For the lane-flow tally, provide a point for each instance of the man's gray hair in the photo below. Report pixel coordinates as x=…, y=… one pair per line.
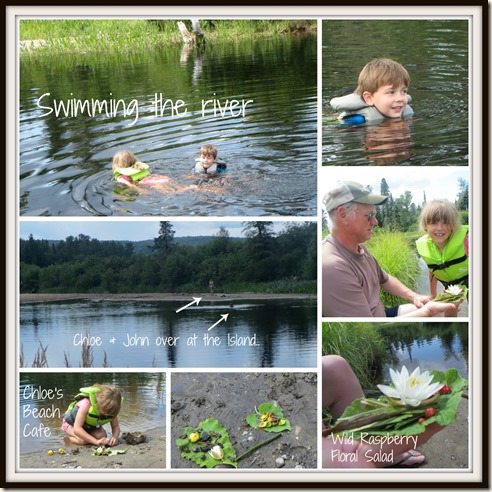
x=351, y=208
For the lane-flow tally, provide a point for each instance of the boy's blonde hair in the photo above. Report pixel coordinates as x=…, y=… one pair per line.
x=379, y=72
x=109, y=399
x=124, y=158
x=437, y=210
x=209, y=150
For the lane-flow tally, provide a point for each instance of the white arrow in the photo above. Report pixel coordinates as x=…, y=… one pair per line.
x=223, y=318
x=195, y=301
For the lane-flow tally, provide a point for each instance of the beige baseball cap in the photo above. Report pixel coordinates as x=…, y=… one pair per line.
x=349, y=191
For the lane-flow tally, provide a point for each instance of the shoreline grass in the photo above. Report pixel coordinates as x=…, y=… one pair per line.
x=50, y=37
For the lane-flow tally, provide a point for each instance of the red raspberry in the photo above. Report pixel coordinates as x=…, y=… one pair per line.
x=421, y=419
x=445, y=390
x=429, y=412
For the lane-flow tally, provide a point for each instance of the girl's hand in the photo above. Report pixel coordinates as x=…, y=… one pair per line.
x=113, y=441
x=102, y=442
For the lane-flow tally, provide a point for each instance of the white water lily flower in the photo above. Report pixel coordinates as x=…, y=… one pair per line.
x=410, y=389
x=216, y=452
x=454, y=289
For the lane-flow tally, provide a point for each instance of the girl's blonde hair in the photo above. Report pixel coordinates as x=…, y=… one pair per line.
x=109, y=399
x=437, y=210
x=124, y=158
x=379, y=72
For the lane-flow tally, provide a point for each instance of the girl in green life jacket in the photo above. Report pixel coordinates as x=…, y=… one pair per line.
x=129, y=171
x=444, y=247
x=93, y=407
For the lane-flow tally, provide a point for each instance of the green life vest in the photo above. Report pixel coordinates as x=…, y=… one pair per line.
x=93, y=418
x=451, y=266
x=134, y=174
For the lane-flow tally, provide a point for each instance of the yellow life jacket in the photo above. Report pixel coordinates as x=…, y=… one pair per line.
x=135, y=174
x=451, y=265
x=93, y=418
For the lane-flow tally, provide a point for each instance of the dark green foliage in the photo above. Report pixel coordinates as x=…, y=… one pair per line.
x=286, y=263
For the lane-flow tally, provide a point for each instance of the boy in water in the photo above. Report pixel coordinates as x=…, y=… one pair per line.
x=381, y=93
x=207, y=162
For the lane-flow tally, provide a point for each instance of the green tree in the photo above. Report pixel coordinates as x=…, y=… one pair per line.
x=461, y=202
x=164, y=243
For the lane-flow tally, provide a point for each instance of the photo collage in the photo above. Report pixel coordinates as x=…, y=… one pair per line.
x=215, y=218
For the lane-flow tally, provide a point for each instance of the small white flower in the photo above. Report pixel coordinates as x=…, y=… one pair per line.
x=216, y=452
x=455, y=290
x=410, y=389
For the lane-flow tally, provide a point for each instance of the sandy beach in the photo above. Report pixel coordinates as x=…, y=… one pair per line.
x=29, y=298
x=149, y=454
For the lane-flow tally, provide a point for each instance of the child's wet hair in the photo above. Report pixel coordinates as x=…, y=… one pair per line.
x=124, y=158
x=437, y=210
x=380, y=72
x=209, y=150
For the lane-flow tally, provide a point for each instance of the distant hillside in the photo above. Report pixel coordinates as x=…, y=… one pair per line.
x=146, y=246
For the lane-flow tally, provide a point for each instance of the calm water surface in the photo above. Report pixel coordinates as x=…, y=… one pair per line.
x=274, y=333
x=435, y=53
x=438, y=346
x=271, y=148
x=44, y=398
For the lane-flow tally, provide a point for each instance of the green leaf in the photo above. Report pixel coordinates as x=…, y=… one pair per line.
x=385, y=416
x=213, y=434
x=256, y=421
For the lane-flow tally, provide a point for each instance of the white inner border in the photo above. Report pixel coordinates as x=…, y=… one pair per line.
x=330, y=477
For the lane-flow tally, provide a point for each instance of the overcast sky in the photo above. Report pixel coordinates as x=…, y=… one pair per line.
x=135, y=230
x=438, y=182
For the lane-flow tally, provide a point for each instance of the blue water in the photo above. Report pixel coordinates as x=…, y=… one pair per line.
x=271, y=333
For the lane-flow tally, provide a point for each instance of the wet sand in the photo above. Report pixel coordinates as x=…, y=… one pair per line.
x=149, y=454
x=29, y=298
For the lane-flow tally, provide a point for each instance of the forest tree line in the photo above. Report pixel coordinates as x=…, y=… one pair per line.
x=402, y=214
x=264, y=260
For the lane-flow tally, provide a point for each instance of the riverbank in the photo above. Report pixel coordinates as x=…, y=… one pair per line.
x=32, y=298
x=123, y=35
x=149, y=454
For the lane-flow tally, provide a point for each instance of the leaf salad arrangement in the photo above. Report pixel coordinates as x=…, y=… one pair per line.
x=407, y=406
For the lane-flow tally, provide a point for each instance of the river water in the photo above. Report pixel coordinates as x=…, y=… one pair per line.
x=44, y=398
x=134, y=334
x=435, y=53
x=170, y=102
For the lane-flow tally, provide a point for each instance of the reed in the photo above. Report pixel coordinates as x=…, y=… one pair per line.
x=360, y=344
x=396, y=255
x=40, y=359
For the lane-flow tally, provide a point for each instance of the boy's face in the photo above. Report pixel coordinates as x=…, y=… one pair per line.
x=207, y=160
x=389, y=100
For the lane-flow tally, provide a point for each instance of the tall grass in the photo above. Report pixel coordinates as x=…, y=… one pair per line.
x=360, y=344
x=396, y=255
x=123, y=35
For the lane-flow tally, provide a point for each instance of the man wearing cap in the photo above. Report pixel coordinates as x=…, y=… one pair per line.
x=352, y=277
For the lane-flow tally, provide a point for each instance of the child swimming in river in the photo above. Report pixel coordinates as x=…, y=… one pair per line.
x=207, y=163
x=129, y=171
x=93, y=407
x=381, y=93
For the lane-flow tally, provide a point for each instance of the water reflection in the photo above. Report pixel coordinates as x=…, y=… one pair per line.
x=438, y=346
x=272, y=333
x=43, y=399
x=271, y=148
x=438, y=132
